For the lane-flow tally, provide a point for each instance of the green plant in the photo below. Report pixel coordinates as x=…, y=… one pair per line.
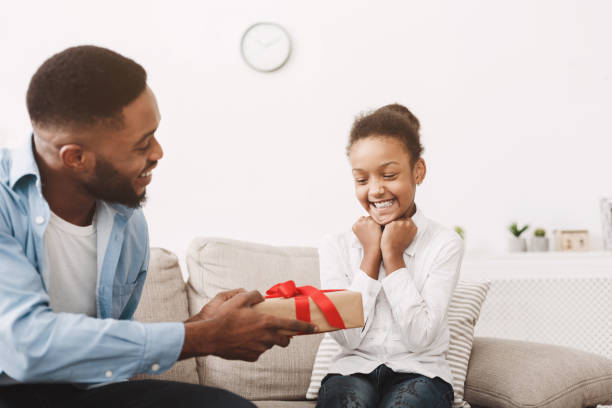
x=459, y=230
x=539, y=232
x=515, y=230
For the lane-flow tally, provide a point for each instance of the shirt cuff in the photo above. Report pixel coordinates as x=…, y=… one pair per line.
x=364, y=284
x=163, y=346
x=399, y=286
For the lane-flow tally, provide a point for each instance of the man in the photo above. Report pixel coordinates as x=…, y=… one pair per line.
x=74, y=252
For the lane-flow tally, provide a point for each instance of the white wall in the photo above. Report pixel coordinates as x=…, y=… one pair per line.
x=514, y=99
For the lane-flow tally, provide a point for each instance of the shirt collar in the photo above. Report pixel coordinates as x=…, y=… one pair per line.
x=23, y=163
x=122, y=209
x=421, y=223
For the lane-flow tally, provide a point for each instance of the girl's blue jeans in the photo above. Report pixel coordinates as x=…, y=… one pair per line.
x=384, y=388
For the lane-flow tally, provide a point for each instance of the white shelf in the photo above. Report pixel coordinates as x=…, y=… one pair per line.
x=536, y=265
x=485, y=254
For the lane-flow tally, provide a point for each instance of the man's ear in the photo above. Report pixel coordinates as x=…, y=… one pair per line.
x=76, y=159
x=419, y=171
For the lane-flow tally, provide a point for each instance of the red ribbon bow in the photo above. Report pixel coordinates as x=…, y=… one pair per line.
x=302, y=304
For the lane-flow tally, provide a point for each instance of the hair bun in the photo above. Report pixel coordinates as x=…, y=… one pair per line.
x=404, y=111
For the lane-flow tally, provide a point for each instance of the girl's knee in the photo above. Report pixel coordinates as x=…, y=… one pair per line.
x=346, y=391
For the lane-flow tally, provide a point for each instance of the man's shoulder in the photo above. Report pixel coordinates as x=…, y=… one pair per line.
x=5, y=166
x=7, y=196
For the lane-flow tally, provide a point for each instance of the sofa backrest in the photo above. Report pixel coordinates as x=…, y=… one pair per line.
x=221, y=264
x=164, y=299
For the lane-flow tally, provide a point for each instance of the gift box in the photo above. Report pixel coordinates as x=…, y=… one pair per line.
x=330, y=310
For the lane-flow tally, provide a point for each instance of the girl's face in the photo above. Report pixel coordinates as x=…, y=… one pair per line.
x=385, y=181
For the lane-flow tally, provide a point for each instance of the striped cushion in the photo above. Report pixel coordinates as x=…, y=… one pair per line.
x=463, y=313
x=327, y=351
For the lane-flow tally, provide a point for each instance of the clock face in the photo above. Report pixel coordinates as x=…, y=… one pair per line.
x=265, y=46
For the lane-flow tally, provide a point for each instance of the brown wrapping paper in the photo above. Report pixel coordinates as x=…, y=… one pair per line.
x=348, y=303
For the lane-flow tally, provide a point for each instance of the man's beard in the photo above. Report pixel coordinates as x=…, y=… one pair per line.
x=109, y=185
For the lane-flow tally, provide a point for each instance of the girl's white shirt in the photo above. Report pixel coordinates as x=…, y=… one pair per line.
x=405, y=313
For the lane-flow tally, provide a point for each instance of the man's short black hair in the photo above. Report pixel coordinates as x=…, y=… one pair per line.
x=83, y=86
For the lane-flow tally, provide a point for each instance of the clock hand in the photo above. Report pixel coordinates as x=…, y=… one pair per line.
x=261, y=43
x=269, y=43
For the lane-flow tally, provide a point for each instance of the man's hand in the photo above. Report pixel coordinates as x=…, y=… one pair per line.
x=369, y=234
x=210, y=309
x=237, y=332
x=396, y=237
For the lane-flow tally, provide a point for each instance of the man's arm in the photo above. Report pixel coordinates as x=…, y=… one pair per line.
x=38, y=345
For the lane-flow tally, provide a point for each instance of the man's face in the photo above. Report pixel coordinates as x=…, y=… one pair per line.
x=124, y=158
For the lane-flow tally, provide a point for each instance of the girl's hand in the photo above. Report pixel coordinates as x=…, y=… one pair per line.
x=396, y=237
x=369, y=234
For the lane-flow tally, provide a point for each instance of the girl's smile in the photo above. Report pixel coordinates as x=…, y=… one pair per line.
x=383, y=210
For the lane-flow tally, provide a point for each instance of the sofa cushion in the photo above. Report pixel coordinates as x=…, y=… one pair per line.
x=516, y=374
x=463, y=312
x=220, y=264
x=164, y=299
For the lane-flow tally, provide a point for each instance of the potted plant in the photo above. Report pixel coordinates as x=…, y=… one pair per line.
x=460, y=231
x=516, y=243
x=539, y=242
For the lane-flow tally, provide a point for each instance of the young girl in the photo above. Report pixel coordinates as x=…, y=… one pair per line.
x=406, y=267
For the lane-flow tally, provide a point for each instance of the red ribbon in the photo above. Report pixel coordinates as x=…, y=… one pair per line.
x=302, y=295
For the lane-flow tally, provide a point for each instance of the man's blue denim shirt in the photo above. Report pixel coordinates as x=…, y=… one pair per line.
x=38, y=345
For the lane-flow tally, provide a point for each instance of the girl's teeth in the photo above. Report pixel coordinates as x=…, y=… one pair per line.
x=383, y=204
x=147, y=174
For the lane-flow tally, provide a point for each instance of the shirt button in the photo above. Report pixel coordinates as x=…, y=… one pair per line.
x=155, y=367
x=108, y=374
x=39, y=220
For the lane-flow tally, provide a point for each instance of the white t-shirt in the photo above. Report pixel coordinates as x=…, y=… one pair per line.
x=71, y=276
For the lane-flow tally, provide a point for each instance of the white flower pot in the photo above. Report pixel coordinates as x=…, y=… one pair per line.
x=539, y=244
x=517, y=244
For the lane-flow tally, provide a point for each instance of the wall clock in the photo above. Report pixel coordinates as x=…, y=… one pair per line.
x=265, y=47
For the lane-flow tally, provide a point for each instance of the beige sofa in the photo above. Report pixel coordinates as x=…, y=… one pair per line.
x=501, y=373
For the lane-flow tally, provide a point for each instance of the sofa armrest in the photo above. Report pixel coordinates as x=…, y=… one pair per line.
x=514, y=374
